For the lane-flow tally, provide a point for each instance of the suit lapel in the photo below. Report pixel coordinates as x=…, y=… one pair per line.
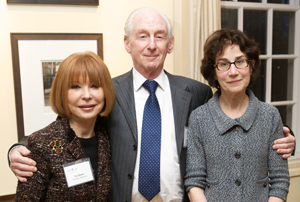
x=181, y=99
x=125, y=99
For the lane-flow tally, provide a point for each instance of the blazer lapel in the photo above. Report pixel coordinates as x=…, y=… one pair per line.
x=181, y=99
x=74, y=148
x=72, y=144
x=125, y=99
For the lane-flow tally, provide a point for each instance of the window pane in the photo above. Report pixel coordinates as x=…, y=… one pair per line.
x=283, y=32
x=278, y=1
x=259, y=87
x=255, y=26
x=229, y=18
x=282, y=80
x=249, y=0
x=286, y=114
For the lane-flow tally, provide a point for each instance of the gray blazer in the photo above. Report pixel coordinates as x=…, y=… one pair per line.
x=187, y=95
x=233, y=159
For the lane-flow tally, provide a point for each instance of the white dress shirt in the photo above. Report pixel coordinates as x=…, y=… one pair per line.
x=170, y=179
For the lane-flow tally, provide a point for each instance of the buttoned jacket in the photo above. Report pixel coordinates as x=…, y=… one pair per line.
x=233, y=159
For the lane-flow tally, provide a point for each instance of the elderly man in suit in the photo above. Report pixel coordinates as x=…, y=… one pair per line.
x=148, y=39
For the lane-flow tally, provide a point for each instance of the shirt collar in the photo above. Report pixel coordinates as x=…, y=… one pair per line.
x=139, y=79
x=224, y=123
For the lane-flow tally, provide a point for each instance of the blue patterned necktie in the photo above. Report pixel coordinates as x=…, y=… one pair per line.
x=149, y=172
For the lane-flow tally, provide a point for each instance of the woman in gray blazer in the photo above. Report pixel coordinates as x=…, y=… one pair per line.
x=229, y=154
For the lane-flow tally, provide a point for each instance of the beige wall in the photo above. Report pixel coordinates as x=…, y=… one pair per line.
x=294, y=195
x=294, y=168
x=108, y=18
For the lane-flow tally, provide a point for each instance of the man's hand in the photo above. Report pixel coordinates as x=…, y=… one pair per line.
x=285, y=145
x=21, y=165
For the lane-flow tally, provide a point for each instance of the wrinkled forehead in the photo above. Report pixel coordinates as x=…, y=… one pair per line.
x=150, y=20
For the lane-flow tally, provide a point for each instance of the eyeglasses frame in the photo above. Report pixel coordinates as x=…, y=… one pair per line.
x=230, y=63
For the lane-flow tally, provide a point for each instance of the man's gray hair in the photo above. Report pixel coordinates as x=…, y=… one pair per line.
x=128, y=25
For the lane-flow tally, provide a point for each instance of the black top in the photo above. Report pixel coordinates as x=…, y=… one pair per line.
x=90, y=146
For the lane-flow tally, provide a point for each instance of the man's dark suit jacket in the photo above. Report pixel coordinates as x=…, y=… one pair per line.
x=187, y=95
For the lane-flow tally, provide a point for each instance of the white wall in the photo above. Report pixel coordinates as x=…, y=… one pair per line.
x=108, y=18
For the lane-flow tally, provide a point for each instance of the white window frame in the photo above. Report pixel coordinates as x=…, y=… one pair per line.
x=293, y=6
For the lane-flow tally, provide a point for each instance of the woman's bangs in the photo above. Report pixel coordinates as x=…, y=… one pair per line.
x=84, y=70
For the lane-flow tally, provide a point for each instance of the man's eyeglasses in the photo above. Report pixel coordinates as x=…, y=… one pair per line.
x=241, y=63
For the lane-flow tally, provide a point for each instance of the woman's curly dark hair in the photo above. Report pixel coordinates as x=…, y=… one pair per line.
x=215, y=45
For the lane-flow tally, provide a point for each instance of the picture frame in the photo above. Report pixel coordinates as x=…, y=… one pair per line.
x=30, y=53
x=64, y=2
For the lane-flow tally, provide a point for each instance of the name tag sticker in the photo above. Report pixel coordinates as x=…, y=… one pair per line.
x=186, y=129
x=78, y=172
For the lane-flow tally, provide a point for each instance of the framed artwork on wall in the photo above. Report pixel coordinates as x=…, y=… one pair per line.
x=65, y=2
x=35, y=59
